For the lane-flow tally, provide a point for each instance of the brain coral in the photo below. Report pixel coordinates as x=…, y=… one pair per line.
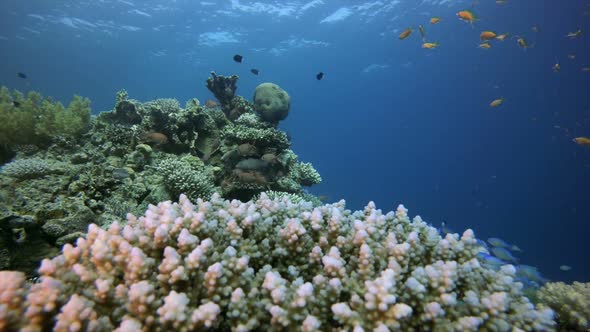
x=271, y=102
x=269, y=265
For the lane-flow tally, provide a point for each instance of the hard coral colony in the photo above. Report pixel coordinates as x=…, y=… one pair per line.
x=268, y=265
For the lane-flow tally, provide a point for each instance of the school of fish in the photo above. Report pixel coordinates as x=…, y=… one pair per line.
x=488, y=36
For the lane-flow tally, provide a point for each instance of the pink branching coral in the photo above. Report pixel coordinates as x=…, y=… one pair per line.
x=268, y=265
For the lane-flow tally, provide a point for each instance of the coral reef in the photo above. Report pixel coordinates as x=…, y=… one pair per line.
x=571, y=304
x=139, y=153
x=269, y=265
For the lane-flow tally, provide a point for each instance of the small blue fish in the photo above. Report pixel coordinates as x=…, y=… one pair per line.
x=530, y=273
x=504, y=254
x=497, y=242
x=483, y=244
x=528, y=284
x=490, y=261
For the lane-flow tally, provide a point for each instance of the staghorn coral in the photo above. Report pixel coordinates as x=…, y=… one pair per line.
x=570, y=302
x=269, y=266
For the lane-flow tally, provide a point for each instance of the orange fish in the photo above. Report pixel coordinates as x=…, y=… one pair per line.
x=430, y=46
x=485, y=45
x=497, y=102
x=154, y=138
x=434, y=20
x=405, y=33
x=467, y=16
x=502, y=37
x=487, y=35
x=582, y=141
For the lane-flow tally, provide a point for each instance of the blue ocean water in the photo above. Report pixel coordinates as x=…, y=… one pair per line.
x=390, y=122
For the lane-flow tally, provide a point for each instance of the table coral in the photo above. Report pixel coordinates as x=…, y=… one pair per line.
x=269, y=265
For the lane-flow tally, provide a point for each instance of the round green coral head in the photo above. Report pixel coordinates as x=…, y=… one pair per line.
x=271, y=102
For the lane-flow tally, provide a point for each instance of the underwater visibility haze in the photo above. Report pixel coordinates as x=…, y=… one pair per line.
x=472, y=114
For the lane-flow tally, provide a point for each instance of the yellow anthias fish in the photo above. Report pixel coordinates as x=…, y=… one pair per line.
x=430, y=46
x=502, y=37
x=487, y=35
x=485, y=45
x=582, y=141
x=405, y=33
x=467, y=16
x=574, y=34
x=497, y=102
x=434, y=20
